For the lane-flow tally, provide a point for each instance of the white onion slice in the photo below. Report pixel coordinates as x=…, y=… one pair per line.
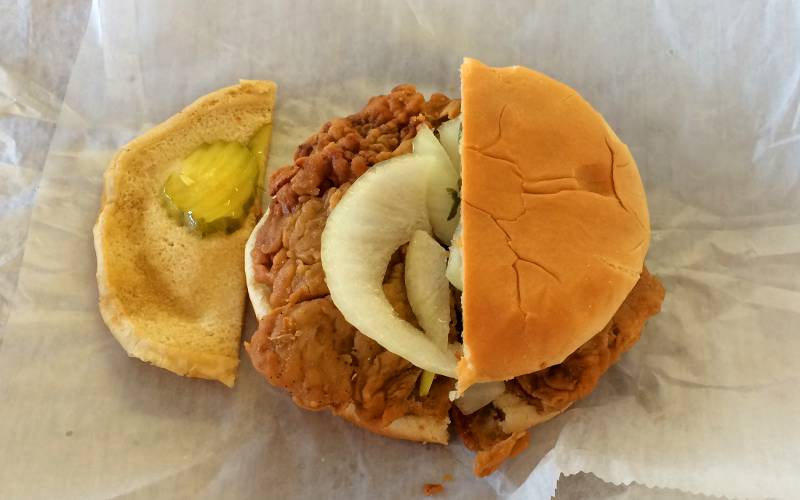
x=455, y=264
x=442, y=183
x=478, y=396
x=450, y=137
x=427, y=287
x=380, y=212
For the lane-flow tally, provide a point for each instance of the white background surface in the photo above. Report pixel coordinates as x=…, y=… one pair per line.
x=707, y=95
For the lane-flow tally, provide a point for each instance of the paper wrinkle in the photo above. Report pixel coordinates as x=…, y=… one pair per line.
x=583, y=485
x=154, y=482
x=33, y=74
x=654, y=489
x=8, y=150
x=640, y=491
x=708, y=100
x=19, y=96
x=542, y=481
x=420, y=17
x=692, y=384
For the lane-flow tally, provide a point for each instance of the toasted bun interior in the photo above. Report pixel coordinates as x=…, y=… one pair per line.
x=169, y=297
x=555, y=222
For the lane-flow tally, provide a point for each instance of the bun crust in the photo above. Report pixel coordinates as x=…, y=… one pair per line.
x=555, y=222
x=170, y=298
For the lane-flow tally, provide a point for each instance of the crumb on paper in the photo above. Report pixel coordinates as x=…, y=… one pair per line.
x=447, y=477
x=431, y=489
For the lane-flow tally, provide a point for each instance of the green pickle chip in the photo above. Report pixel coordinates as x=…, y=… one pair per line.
x=425, y=383
x=259, y=145
x=214, y=187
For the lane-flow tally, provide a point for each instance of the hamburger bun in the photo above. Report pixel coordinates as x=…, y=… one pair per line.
x=555, y=222
x=171, y=298
x=555, y=230
x=258, y=292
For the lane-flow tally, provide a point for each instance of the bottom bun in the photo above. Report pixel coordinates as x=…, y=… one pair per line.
x=423, y=429
x=519, y=415
x=258, y=292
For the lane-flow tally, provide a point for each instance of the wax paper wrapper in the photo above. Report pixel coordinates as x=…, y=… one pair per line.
x=707, y=96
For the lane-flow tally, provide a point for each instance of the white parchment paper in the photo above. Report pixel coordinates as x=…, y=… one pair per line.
x=707, y=95
x=33, y=76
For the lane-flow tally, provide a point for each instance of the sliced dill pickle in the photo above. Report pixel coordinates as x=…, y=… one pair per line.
x=213, y=188
x=202, y=170
x=259, y=145
x=234, y=206
x=225, y=182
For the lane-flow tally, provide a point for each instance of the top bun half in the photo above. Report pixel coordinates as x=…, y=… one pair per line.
x=555, y=222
